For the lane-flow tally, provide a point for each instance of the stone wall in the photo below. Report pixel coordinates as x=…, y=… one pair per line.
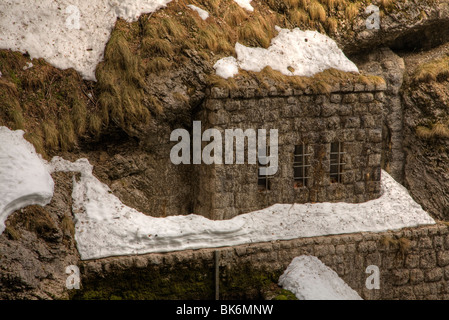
x=385, y=63
x=413, y=264
x=350, y=114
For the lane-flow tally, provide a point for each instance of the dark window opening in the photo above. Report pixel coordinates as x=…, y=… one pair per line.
x=263, y=181
x=301, y=166
x=336, y=162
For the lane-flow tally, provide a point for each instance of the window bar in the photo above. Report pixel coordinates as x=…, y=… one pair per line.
x=263, y=180
x=338, y=161
x=266, y=176
x=301, y=164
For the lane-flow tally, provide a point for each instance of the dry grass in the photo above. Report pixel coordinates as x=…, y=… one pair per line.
x=31, y=99
x=67, y=136
x=9, y=102
x=332, y=25
x=217, y=81
x=437, y=70
x=37, y=219
x=16, y=116
x=371, y=80
x=387, y=4
x=181, y=97
x=437, y=131
x=12, y=233
x=402, y=244
x=95, y=123
x=155, y=105
x=352, y=10
x=37, y=140
x=157, y=47
x=67, y=225
x=172, y=28
x=157, y=65
x=120, y=85
x=298, y=17
x=257, y=32
x=317, y=12
x=208, y=39
x=234, y=15
x=320, y=83
x=154, y=45
x=79, y=117
x=51, y=134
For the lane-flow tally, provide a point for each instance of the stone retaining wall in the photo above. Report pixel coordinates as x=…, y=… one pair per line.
x=413, y=264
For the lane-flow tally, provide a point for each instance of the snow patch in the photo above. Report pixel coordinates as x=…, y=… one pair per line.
x=106, y=227
x=293, y=53
x=28, y=66
x=202, y=13
x=245, y=4
x=310, y=279
x=226, y=67
x=24, y=176
x=67, y=33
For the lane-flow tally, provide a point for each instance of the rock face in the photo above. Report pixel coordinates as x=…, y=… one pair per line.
x=37, y=247
x=427, y=162
x=405, y=25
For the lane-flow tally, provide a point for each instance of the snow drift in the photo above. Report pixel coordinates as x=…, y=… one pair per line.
x=310, y=279
x=24, y=177
x=292, y=52
x=66, y=33
x=106, y=227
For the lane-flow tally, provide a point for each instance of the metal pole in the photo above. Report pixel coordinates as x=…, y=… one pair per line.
x=217, y=274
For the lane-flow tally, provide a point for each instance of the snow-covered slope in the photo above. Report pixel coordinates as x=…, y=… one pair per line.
x=106, y=227
x=74, y=33
x=307, y=52
x=66, y=33
x=24, y=177
x=310, y=279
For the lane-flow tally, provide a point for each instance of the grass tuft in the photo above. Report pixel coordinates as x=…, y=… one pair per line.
x=436, y=70
x=51, y=134
x=437, y=131
x=157, y=47
x=157, y=65
x=317, y=12
x=351, y=11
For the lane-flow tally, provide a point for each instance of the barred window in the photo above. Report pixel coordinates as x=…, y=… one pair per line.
x=336, y=162
x=301, y=166
x=263, y=181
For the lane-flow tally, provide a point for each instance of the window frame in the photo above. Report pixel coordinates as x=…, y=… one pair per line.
x=304, y=165
x=266, y=185
x=338, y=162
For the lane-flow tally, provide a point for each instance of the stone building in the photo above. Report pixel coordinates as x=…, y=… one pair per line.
x=329, y=148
